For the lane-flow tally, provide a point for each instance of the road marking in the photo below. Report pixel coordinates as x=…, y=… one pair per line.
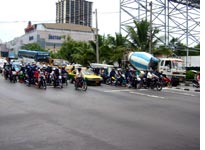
x=153, y=96
x=180, y=92
x=124, y=90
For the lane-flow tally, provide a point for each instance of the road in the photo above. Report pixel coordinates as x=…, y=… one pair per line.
x=102, y=118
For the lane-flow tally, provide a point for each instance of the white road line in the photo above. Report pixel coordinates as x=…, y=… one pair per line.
x=124, y=90
x=180, y=92
x=154, y=96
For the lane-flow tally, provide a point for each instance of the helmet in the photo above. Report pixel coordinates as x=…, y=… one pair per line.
x=79, y=69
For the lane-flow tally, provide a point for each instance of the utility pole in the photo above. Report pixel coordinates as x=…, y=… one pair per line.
x=150, y=38
x=97, y=43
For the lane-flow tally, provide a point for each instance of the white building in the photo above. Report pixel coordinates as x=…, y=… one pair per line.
x=50, y=36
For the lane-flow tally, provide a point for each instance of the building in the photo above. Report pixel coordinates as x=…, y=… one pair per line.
x=50, y=36
x=3, y=50
x=74, y=11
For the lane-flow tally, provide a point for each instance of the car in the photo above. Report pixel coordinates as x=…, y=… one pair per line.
x=89, y=76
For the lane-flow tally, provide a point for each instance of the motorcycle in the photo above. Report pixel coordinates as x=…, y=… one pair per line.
x=42, y=82
x=57, y=82
x=65, y=79
x=110, y=81
x=155, y=83
x=196, y=84
x=80, y=83
x=151, y=81
x=13, y=76
x=120, y=81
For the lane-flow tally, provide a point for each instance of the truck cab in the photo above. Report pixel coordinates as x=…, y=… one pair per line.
x=173, y=68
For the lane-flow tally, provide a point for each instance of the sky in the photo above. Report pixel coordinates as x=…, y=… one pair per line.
x=15, y=14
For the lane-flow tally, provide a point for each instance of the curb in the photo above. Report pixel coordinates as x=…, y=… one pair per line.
x=188, y=89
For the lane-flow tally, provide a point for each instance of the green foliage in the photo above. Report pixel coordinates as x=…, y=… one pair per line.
x=139, y=35
x=77, y=52
x=32, y=46
x=162, y=50
x=180, y=49
x=190, y=75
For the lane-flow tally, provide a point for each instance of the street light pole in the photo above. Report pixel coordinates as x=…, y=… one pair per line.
x=150, y=40
x=97, y=43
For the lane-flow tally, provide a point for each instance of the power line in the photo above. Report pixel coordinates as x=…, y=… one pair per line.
x=23, y=21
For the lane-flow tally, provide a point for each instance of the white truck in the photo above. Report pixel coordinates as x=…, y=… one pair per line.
x=171, y=67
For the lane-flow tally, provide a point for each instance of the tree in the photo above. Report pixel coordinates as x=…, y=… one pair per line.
x=77, y=52
x=104, y=49
x=33, y=46
x=162, y=50
x=139, y=35
x=118, y=45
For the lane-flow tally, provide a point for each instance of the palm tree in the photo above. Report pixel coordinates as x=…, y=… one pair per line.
x=139, y=35
x=104, y=49
x=119, y=45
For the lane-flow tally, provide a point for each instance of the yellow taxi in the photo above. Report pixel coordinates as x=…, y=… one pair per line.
x=89, y=76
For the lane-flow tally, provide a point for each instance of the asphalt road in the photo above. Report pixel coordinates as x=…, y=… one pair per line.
x=102, y=118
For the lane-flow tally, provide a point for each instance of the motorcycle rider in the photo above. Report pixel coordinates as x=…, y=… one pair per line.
x=64, y=73
x=119, y=77
x=55, y=74
x=79, y=76
x=112, y=75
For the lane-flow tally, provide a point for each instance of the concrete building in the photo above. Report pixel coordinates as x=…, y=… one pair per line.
x=74, y=11
x=50, y=36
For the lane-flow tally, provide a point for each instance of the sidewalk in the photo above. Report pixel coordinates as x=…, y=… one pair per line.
x=187, y=86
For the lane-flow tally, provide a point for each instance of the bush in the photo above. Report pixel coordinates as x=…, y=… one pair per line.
x=190, y=75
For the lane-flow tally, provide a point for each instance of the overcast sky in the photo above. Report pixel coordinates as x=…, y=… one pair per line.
x=15, y=14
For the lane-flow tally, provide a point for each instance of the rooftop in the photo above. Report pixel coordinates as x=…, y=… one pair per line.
x=66, y=26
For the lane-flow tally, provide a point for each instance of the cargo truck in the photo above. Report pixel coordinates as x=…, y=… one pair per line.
x=171, y=67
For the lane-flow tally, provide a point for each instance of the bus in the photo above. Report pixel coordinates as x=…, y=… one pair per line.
x=34, y=56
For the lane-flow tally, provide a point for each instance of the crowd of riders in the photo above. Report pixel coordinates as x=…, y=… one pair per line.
x=43, y=75
x=134, y=79
x=33, y=74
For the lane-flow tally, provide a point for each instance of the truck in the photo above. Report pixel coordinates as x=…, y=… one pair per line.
x=171, y=67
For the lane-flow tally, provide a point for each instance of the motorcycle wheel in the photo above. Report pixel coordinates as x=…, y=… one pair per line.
x=159, y=86
x=84, y=86
x=139, y=85
x=76, y=86
x=108, y=81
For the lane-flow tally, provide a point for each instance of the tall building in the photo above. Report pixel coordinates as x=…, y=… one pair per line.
x=74, y=11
